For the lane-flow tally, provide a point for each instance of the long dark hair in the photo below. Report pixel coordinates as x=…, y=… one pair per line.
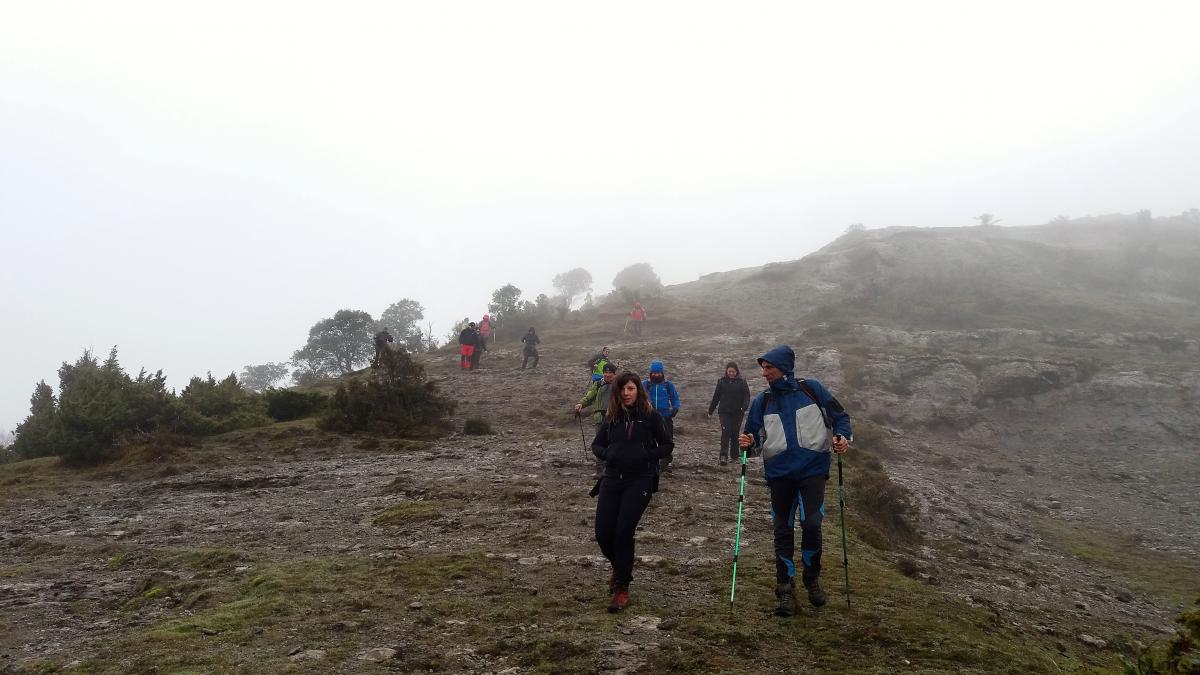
x=616, y=407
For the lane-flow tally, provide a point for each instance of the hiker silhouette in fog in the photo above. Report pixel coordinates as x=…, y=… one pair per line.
x=796, y=422
x=598, y=396
x=382, y=338
x=730, y=399
x=482, y=331
x=468, y=339
x=664, y=398
x=638, y=318
x=596, y=363
x=485, y=332
x=630, y=441
x=531, y=341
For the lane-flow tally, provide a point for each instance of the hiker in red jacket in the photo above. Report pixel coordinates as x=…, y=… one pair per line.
x=638, y=316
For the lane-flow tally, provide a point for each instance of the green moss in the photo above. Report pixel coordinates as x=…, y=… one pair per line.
x=1168, y=576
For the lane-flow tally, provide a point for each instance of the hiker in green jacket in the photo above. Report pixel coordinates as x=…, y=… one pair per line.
x=598, y=396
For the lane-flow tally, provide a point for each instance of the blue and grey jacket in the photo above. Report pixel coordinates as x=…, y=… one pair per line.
x=788, y=425
x=664, y=397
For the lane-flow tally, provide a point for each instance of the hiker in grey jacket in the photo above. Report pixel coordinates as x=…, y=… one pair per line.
x=730, y=399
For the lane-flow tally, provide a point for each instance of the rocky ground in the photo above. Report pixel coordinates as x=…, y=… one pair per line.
x=286, y=548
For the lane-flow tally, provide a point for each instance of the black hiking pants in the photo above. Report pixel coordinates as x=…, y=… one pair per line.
x=619, y=507
x=804, y=497
x=530, y=353
x=731, y=423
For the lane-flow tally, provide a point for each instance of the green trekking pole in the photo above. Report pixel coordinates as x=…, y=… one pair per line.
x=842, y=508
x=737, y=536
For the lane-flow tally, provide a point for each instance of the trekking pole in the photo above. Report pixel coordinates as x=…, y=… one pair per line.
x=737, y=536
x=582, y=438
x=842, y=508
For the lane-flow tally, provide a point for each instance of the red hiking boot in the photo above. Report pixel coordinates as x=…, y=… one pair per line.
x=620, y=598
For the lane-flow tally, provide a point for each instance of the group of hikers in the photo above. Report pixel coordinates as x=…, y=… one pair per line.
x=794, y=424
x=473, y=339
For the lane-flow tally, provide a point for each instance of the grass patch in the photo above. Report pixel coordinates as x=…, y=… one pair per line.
x=408, y=512
x=1172, y=577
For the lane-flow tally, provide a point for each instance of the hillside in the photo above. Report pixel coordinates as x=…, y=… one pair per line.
x=1051, y=457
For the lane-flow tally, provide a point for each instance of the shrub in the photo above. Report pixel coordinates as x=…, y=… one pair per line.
x=289, y=404
x=211, y=407
x=395, y=399
x=97, y=402
x=477, y=427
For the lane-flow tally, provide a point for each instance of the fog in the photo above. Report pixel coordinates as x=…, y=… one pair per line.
x=199, y=186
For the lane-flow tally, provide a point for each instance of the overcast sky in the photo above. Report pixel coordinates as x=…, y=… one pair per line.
x=199, y=183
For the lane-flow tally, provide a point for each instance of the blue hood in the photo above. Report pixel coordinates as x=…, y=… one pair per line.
x=783, y=358
x=657, y=367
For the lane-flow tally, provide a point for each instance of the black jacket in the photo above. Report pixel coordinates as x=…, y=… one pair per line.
x=733, y=395
x=633, y=447
x=468, y=336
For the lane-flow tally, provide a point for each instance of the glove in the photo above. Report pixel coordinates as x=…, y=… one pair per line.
x=674, y=412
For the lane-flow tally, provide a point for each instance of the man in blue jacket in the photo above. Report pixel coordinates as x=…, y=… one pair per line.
x=796, y=423
x=664, y=398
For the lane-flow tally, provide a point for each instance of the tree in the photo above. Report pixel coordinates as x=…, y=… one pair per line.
x=396, y=399
x=572, y=283
x=505, y=301
x=855, y=228
x=987, y=219
x=638, y=280
x=338, y=345
x=36, y=435
x=401, y=320
x=452, y=336
x=259, y=378
x=1144, y=217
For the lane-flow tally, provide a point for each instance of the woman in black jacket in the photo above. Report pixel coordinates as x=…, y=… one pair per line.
x=733, y=396
x=630, y=441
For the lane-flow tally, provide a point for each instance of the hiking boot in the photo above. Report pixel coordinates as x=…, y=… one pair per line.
x=786, y=593
x=724, y=460
x=815, y=595
x=620, y=598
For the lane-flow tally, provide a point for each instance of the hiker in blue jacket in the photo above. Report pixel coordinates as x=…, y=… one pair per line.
x=664, y=398
x=796, y=423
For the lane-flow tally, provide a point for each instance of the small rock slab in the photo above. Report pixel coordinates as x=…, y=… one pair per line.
x=378, y=655
x=309, y=655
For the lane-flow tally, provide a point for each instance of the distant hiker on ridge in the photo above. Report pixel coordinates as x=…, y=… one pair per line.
x=638, y=316
x=631, y=440
x=732, y=395
x=382, y=338
x=664, y=398
x=796, y=423
x=531, y=341
x=468, y=338
x=596, y=364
